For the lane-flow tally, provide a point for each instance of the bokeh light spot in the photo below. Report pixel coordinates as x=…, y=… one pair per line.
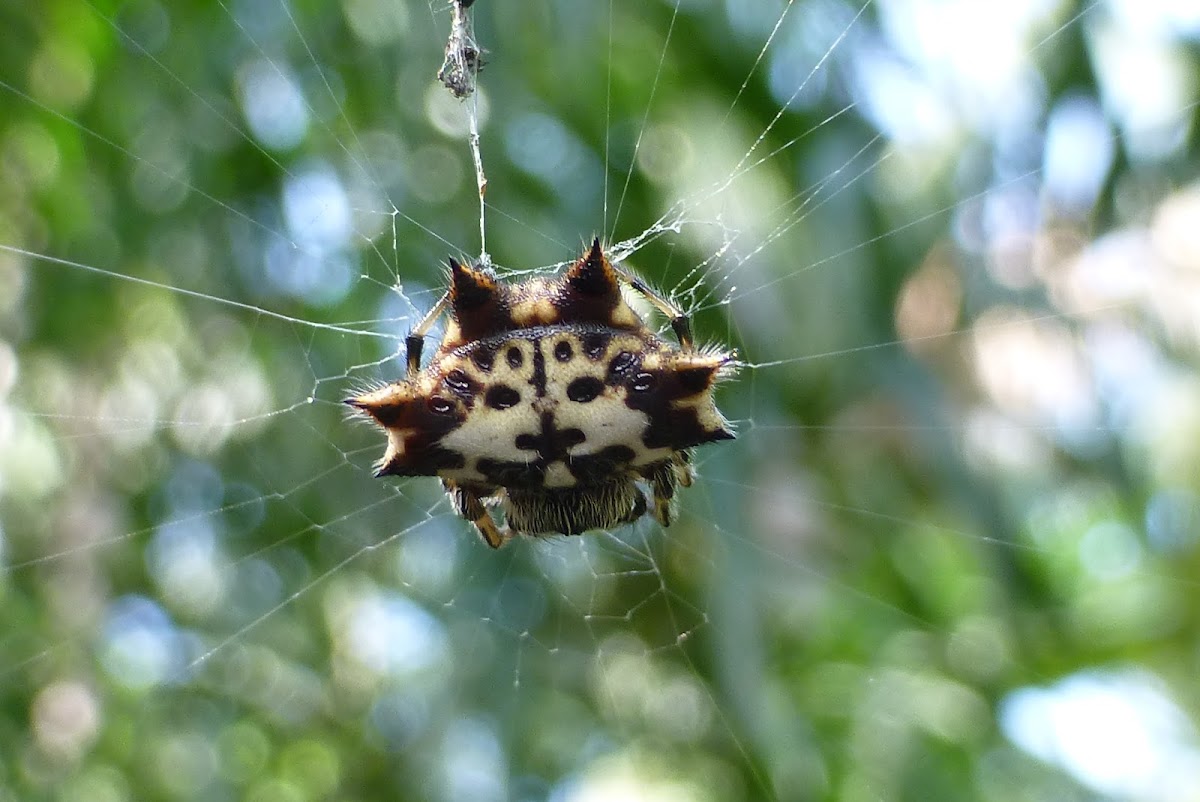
x=273, y=105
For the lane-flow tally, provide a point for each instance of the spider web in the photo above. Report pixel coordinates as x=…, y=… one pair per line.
x=945, y=335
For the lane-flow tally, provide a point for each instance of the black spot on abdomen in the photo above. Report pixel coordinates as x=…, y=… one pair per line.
x=620, y=367
x=539, y=371
x=603, y=465
x=643, y=383
x=563, y=351
x=484, y=357
x=461, y=385
x=512, y=474
x=551, y=442
x=515, y=357
x=584, y=389
x=501, y=396
x=595, y=344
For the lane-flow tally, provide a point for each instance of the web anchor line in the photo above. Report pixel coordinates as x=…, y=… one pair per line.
x=459, y=73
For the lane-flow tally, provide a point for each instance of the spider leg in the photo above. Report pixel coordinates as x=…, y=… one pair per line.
x=414, y=343
x=469, y=505
x=638, y=509
x=663, y=480
x=685, y=474
x=681, y=324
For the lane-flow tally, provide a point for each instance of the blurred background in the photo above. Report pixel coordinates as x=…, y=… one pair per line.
x=952, y=554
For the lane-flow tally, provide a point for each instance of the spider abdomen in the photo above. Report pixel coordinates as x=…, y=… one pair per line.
x=550, y=407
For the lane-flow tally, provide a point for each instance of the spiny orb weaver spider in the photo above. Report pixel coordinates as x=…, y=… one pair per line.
x=551, y=399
